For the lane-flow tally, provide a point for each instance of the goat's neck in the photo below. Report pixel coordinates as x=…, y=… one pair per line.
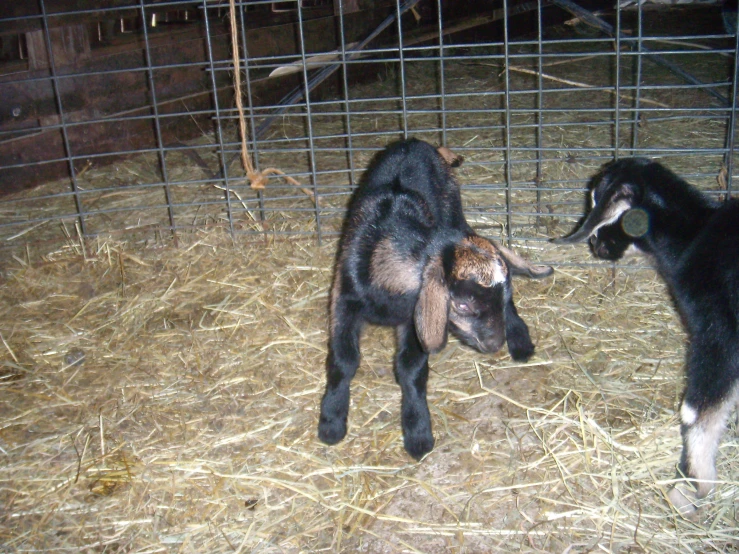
x=673, y=230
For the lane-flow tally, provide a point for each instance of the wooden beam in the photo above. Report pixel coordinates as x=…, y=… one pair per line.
x=29, y=106
x=18, y=17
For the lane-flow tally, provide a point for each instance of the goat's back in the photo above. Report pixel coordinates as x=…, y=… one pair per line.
x=410, y=180
x=406, y=210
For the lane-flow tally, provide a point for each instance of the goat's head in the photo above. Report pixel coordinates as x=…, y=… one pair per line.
x=465, y=289
x=617, y=218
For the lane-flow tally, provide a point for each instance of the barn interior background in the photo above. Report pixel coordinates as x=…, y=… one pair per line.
x=167, y=248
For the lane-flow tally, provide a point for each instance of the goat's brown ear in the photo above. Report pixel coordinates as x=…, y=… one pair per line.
x=432, y=308
x=521, y=266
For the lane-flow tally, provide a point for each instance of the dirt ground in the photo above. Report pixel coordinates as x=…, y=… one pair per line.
x=166, y=399
x=163, y=397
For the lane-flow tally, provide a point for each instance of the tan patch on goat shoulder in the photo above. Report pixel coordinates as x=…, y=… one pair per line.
x=478, y=260
x=392, y=271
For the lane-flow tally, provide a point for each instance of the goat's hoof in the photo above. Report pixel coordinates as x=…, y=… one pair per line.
x=683, y=500
x=419, y=446
x=331, y=432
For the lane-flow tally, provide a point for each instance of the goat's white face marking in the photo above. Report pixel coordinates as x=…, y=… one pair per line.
x=612, y=214
x=688, y=415
x=499, y=273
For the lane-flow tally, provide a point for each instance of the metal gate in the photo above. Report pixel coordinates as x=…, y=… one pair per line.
x=122, y=118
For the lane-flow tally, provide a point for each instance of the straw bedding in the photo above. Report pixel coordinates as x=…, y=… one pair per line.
x=166, y=398
x=159, y=397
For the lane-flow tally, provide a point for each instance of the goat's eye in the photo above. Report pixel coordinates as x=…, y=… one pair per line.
x=462, y=308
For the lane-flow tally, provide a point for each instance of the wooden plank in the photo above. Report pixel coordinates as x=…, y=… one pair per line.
x=25, y=101
x=30, y=104
x=69, y=45
x=12, y=13
x=102, y=137
x=113, y=137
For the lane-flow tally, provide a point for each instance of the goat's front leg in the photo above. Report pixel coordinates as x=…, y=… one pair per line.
x=411, y=373
x=710, y=396
x=517, y=334
x=341, y=366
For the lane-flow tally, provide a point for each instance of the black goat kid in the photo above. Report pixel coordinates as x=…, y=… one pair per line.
x=694, y=242
x=408, y=259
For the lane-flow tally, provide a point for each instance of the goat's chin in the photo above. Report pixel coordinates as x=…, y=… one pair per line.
x=490, y=348
x=633, y=250
x=603, y=252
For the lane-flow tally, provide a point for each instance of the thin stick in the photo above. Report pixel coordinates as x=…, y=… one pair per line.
x=12, y=354
x=593, y=20
x=582, y=85
x=102, y=438
x=570, y=60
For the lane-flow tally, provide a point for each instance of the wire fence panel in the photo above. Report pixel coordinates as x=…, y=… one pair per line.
x=121, y=118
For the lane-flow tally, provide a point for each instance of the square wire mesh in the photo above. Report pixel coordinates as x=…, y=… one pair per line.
x=132, y=107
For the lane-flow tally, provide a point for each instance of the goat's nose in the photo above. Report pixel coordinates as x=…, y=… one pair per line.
x=493, y=344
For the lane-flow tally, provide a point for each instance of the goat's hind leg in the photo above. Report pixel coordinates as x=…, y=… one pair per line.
x=341, y=366
x=709, y=399
x=411, y=373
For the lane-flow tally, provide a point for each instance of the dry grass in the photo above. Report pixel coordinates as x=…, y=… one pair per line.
x=189, y=423
x=156, y=397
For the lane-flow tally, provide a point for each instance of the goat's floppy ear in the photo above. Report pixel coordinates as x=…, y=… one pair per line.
x=520, y=266
x=617, y=199
x=432, y=308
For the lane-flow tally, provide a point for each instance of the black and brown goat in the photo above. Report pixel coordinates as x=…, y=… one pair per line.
x=694, y=242
x=408, y=259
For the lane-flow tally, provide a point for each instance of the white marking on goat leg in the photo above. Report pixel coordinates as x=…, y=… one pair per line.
x=688, y=415
x=701, y=441
x=701, y=444
x=592, y=198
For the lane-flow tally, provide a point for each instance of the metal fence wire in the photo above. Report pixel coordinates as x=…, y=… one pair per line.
x=121, y=118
